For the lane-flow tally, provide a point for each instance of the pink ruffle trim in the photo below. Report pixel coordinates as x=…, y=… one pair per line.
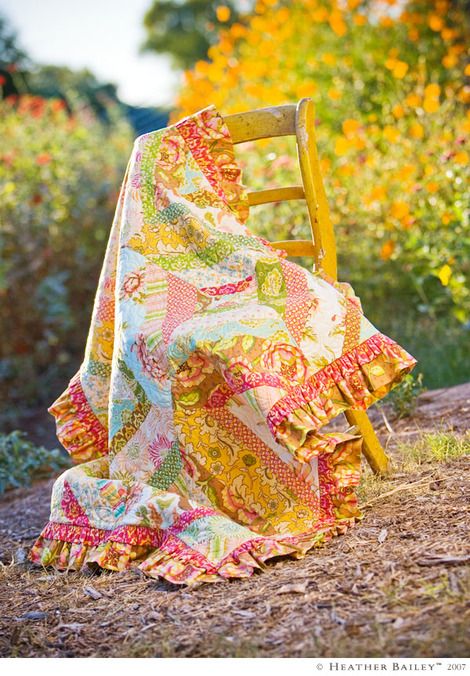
x=78, y=429
x=176, y=562
x=355, y=380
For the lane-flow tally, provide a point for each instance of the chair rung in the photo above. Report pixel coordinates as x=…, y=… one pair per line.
x=296, y=247
x=294, y=192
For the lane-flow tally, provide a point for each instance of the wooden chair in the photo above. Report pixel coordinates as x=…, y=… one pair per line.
x=299, y=121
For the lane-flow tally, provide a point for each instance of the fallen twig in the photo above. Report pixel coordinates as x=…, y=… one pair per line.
x=397, y=490
x=443, y=560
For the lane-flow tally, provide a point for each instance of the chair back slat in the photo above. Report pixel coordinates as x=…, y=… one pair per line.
x=262, y=123
x=289, y=120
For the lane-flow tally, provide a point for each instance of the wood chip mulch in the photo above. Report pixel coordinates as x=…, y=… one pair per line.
x=397, y=585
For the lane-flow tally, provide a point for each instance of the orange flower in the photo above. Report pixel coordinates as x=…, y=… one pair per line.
x=413, y=100
x=432, y=186
x=387, y=250
x=223, y=13
x=43, y=158
x=461, y=157
x=435, y=23
x=360, y=19
x=377, y=194
x=334, y=94
x=399, y=210
x=398, y=111
x=449, y=61
x=337, y=24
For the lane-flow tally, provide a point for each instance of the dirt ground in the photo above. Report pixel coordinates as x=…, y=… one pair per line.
x=397, y=585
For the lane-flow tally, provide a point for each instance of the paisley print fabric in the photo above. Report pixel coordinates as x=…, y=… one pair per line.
x=212, y=366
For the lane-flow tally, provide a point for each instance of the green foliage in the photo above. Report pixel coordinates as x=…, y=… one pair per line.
x=59, y=182
x=404, y=397
x=21, y=461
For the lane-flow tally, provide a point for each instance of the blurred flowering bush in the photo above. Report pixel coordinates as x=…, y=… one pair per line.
x=59, y=181
x=389, y=83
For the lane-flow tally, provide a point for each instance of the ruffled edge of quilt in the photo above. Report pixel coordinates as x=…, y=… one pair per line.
x=355, y=380
x=77, y=427
x=176, y=562
x=162, y=554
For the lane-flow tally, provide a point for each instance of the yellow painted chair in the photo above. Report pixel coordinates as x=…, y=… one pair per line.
x=299, y=121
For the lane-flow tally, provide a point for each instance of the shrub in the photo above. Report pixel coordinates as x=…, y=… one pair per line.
x=22, y=461
x=59, y=181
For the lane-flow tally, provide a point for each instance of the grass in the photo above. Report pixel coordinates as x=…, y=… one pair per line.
x=430, y=448
x=436, y=446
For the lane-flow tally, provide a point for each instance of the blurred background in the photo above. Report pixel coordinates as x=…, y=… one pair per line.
x=79, y=81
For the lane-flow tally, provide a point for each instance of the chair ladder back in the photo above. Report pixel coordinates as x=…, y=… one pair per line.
x=299, y=120
x=323, y=236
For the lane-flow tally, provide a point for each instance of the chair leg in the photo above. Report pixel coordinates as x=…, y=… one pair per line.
x=373, y=451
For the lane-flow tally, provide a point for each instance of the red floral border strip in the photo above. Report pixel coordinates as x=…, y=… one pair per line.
x=236, y=287
x=83, y=416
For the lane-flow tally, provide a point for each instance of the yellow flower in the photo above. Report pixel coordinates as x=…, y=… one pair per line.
x=400, y=69
x=306, y=89
x=416, y=130
x=391, y=133
x=446, y=218
x=432, y=91
x=432, y=186
x=350, y=126
x=444, y=274
x=341, y=146
x=431, y=105
x=329, y=59
x=467, y=70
